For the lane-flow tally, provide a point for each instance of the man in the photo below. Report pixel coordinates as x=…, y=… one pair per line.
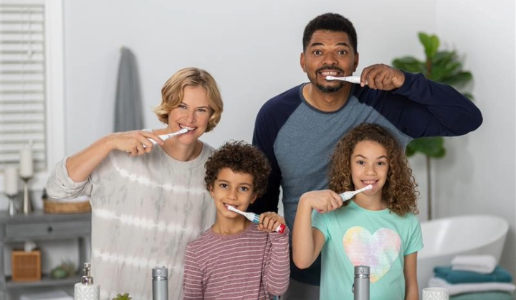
x=299, y=128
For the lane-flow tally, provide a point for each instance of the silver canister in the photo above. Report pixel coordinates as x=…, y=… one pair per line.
x=361, y=283
x=159, y=283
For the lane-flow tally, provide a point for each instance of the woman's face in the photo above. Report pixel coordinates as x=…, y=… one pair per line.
x=192, y=113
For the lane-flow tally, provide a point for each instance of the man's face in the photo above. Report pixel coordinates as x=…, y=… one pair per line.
x=329, y=53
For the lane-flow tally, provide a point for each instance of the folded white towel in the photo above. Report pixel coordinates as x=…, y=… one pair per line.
x=484, y=264
x=460, y=288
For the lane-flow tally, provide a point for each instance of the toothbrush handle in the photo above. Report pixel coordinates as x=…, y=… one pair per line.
x=280, y=228
x=164, y=137
x=347, y=195
x=256, y=219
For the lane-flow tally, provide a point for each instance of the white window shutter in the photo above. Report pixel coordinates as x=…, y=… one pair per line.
x=22, y=82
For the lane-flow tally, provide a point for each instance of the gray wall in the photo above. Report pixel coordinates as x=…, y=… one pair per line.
x=252, y=49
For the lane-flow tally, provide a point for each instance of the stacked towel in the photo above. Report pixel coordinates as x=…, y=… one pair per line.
x=468, y=277
x=461, y=288
x=484, y=264
x=451, y=276
x=484, y=296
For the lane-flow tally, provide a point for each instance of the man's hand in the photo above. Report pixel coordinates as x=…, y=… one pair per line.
x=382, y=77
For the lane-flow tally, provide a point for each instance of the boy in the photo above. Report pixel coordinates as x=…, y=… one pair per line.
x=236, y=258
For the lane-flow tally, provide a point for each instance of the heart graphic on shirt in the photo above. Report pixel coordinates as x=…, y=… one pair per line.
x=378, y=250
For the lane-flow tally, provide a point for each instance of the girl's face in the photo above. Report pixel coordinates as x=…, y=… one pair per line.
x=193, y=113
x=369, y=166
x=235, y=189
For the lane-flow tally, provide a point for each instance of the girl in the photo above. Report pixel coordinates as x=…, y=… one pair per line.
x=377, y=228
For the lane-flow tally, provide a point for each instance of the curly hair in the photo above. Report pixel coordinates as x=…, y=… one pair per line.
x=399, y=192
x=240, y=157
x=172, y=94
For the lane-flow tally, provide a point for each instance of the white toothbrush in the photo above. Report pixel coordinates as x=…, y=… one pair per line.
x=254, y=217
x=348, y=195
x=165, y=137
x=352, y=79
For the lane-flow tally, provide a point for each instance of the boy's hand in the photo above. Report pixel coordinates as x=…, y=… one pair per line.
x=269, y=221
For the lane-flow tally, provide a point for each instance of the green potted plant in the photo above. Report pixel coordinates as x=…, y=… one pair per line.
x=440, y=66
x=122, y=297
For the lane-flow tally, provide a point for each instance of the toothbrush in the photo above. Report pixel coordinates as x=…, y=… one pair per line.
x=165, y=137
x=348, y=195
x=352, y=79
x=254, y=217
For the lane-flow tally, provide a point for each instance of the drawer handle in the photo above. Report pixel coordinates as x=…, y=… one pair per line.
x=50, y=229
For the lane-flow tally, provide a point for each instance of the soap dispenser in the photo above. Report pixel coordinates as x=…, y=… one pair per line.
x=86, y=289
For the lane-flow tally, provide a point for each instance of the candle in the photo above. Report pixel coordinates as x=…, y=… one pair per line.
x=11, y=181
x=26, y=164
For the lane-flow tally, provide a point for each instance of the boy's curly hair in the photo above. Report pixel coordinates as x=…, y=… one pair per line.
x=399, y=192
x=240, y=157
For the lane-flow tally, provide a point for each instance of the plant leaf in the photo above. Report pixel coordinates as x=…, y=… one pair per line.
x=458, y=79
x=443, y=57
x=410, y=150
x=430, y=44
x=409, y=64
x=469, y=96
x=442, y=71
x=431, y=146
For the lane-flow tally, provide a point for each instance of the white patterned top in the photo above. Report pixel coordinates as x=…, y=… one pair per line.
x=145, y=211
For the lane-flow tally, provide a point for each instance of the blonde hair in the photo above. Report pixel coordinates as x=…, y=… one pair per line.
x=172, y=94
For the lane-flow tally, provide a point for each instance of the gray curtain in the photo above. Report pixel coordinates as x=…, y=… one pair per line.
x=128, y=102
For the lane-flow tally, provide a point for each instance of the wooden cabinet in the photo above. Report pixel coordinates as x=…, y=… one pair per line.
x=40, y=226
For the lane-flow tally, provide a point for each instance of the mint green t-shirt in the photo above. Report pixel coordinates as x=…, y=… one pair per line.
x=378, y=239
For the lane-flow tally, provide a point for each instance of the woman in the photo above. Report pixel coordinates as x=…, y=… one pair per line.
x=148, y=201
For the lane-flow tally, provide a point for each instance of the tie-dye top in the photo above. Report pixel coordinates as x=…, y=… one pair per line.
x=378, y=239
x=145, y=211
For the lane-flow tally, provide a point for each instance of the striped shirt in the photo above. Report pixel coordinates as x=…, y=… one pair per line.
x=145, y=211
x=251, y=264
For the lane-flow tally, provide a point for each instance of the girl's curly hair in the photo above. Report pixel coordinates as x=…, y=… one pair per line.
x=240, y=157
x=399, y=192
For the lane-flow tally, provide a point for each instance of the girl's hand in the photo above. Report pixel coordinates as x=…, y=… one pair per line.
x=269, y=221
x=323, y=201
x=133, y=142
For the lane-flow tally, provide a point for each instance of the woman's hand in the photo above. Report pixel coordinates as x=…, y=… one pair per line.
x=133, y=142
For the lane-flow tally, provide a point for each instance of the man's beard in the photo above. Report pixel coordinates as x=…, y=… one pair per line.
x=329, y=89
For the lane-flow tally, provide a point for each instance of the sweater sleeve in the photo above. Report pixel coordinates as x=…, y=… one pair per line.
x=277, y=264
x=422, y=108
x=263, y=138
x=192, y=281
x=61, y=186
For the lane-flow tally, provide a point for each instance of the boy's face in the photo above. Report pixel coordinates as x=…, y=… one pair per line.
x=369, y=165
x=235, y=189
